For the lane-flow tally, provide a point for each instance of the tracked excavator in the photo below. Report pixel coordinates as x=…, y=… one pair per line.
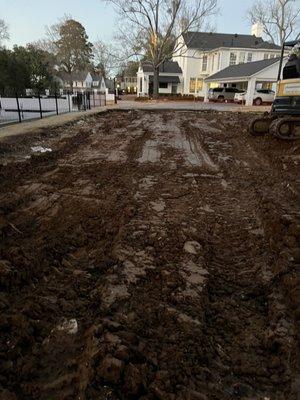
x=284, y=119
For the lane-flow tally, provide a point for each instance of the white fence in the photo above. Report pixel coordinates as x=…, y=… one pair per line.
x=18, y=109
x=110, y=98
x=30, y=107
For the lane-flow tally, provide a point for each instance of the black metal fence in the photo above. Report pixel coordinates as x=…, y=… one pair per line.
x=21, y=108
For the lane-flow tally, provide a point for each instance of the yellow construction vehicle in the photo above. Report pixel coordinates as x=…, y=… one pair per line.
x=284, y=119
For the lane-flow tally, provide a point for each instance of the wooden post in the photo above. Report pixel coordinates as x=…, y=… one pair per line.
x=69, y=102
x=18, y=107
x=56, y=103
x=40, y=104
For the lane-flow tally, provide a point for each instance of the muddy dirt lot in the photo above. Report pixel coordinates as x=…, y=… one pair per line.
x=149, y=255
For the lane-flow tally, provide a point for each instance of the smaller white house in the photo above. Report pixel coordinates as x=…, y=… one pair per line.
x=98, y=83
x=247, y=76
x=82, y=81
x=170, y=78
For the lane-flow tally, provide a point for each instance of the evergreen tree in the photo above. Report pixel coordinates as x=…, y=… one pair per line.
x=74, y=51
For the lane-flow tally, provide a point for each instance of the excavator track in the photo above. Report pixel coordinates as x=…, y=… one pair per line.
x=260, y=126
x=287, y=128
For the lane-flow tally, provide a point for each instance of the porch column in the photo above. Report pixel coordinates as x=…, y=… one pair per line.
x=250, y=92
x=205, y=89
x=146, y=85
x=140, y=83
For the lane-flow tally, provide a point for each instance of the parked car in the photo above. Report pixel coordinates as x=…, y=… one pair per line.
x=260, y=96
x=222, y=94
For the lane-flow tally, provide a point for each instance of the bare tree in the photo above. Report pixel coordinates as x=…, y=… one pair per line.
x=103, y=58
x=45, y=45
x=154, y=26
x=4, y=35
x=280, y=19
x=49, y=42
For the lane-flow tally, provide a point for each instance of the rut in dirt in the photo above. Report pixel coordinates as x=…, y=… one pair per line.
x=238, y=313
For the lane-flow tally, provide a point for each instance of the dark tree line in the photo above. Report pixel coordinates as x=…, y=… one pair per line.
x=23, y=68
x=37, y=65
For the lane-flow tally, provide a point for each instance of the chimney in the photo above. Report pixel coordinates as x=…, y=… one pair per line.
x=257, y=30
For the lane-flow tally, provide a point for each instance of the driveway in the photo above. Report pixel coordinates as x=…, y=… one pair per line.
x=189, y=105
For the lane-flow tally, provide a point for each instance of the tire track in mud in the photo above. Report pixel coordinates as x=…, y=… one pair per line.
x=238, y=316
x=246, y=314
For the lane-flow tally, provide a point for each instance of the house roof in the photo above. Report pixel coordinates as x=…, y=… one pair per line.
x=75, y=76
x=210, y=41
x=170, y=67
x=243, y=70
x=96, y=77
x=166, y=79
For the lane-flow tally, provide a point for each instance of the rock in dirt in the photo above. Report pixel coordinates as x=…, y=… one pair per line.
x=40, y=149
x=110, y=369
x=192, y=247
x=69, y=326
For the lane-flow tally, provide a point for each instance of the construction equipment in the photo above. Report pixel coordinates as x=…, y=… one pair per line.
x=284, y=119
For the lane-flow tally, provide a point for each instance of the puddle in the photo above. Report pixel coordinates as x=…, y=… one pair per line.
x=150, y=152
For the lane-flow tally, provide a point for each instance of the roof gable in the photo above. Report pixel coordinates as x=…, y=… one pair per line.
x=80, y=75
x=210, y=41
x=97, y=77
x=243, y=70
x=171, y=67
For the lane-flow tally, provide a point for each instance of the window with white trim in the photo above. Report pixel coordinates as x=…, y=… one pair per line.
x=192, y=85
x=199, y=85
x=163, y=85
x=232, y=59
x=242, y=57
x=249, y=57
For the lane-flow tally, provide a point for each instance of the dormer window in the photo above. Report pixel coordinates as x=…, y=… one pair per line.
x=242, y=57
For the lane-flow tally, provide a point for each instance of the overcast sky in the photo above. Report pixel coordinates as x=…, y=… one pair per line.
x=27, y=18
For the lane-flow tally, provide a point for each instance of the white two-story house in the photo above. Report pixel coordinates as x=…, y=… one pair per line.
x=201, y=54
